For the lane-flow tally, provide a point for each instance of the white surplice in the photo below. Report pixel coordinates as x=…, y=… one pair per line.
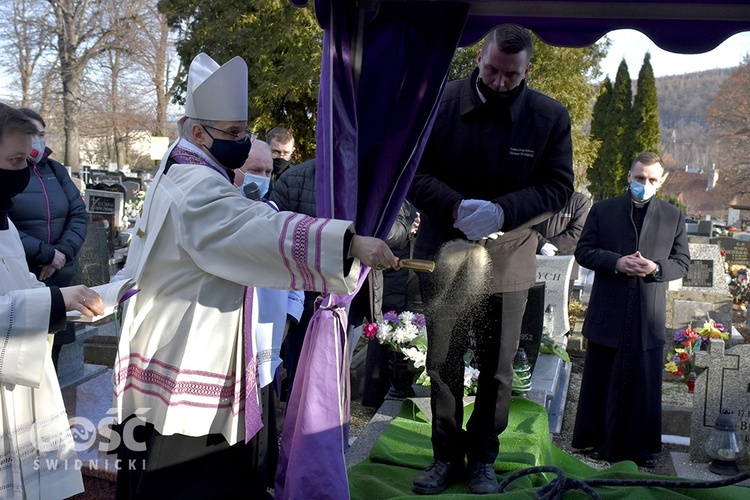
x=38, y=453
x=198, y=244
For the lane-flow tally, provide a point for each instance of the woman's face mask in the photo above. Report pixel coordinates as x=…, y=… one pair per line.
x=38, y=146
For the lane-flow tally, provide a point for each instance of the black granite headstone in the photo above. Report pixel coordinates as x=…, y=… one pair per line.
x=700, y=274
x=93, y=259
x=533, y=320
x=737, y=251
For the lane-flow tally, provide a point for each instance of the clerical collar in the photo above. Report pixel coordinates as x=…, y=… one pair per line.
x=640, y=204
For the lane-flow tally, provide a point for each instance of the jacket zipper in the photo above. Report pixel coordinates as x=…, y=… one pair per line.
x=46, y=200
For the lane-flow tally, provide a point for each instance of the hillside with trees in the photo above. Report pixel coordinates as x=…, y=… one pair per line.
x=683, y=105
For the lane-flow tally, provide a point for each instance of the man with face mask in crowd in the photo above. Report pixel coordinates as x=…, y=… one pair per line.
x=257, y=169
x=187, y=383
x=516, y=144
x=281, y=142
x=635, y=244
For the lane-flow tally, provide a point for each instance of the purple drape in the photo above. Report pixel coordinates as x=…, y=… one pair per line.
x=381, y=79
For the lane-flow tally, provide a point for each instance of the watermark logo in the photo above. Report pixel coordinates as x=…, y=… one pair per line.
x=85, y=432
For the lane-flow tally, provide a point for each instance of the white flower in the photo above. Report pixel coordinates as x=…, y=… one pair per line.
x=471, y=374
x=416, y=356
x=406, y=317
x=405, y=333
x=385, y=332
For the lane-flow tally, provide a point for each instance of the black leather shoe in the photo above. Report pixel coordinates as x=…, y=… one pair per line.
x=647, y=462
x=438, y=476
x=482, y=479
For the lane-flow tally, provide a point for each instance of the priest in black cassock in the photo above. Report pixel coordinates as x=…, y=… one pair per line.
x=635, y=244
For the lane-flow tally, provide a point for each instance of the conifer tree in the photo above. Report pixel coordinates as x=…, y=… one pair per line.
x=623, y=130
x=601, y=118
x=646, y=110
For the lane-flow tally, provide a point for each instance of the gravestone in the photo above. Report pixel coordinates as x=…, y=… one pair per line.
x=736, y=251
x=706, y=273
x=130, y=187
x=531, y=327
x=554, y=272
x=722, y=386
x=704, y=292
x=92, y=262
x=106, y=206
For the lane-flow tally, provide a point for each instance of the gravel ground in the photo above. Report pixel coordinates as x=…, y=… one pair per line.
x=674, y=393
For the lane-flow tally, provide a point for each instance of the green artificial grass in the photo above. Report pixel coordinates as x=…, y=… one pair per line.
x=404, y=449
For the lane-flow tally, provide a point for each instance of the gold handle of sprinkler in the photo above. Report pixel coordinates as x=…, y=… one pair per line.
x=418, y=265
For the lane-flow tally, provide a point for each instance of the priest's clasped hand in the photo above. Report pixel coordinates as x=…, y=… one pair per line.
x=478, y=219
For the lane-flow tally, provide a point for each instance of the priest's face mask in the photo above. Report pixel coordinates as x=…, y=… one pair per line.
x=645, y=180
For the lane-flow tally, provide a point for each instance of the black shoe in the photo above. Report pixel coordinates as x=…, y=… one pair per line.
x=437, y=477
x=647, y=462
x=399, y=394
x=482, y=479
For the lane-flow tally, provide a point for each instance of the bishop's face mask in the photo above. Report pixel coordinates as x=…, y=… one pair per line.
x=230, y=153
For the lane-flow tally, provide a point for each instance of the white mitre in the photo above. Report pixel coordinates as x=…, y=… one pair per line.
x=217, y=93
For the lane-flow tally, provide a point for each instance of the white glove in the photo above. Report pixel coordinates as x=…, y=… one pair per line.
x=549, y=249
x=478, y=219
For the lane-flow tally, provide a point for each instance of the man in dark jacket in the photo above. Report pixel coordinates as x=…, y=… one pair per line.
x=559, y=234
x=635, y=244
x=498, y=160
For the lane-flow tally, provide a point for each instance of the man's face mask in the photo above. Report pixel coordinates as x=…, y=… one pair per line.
x=279, y=165
x=261, y=181
x=13, y=182
x=230, y=153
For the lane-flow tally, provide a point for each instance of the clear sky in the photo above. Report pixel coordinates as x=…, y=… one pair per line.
x=633, y=45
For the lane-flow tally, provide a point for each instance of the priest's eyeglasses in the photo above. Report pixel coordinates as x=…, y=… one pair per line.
x=240, y=137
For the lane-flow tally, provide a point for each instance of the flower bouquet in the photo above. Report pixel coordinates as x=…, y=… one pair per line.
x=681, y=363
x=406, y=333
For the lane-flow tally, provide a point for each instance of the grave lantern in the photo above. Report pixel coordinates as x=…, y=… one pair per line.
x=724, y=447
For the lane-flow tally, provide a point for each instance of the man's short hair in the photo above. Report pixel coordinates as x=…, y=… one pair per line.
x=12, y=120
x=647, y=158
x=511, y=39
x=280, y=135
x=33, y=115
x=187, y=126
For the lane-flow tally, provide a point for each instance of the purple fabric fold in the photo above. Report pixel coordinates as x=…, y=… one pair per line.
x=376, y=107
x=253, y=418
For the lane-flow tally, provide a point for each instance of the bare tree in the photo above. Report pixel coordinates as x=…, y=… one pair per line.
x=25, y=41
x=83, y=30
x=159, y=61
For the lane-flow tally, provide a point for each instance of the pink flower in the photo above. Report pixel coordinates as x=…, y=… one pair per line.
x=370, y=330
